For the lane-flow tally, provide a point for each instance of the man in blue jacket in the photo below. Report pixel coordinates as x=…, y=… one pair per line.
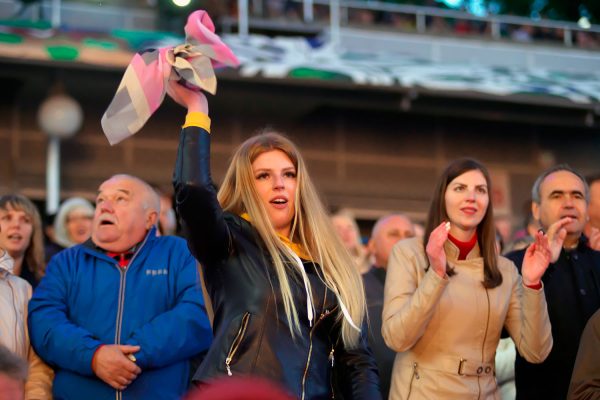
x=121, y=315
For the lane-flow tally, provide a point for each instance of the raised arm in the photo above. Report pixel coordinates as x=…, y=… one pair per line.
x=195, y=195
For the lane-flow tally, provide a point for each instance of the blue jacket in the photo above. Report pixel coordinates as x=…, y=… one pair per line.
x=86, y=300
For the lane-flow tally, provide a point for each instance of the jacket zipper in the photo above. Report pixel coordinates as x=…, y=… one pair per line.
x=121, y=306
x=236, y=342
x=416, y=376
x=332, y=361
x=323, y=315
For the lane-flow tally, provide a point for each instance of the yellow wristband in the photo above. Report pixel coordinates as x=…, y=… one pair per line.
x=198, y=119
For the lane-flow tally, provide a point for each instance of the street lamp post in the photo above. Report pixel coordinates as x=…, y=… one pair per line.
x=60, y=117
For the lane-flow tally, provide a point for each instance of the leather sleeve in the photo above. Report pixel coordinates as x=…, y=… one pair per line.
x=356, y=370
x=196, y=198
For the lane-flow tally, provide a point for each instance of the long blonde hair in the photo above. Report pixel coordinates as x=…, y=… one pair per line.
x=310, y=228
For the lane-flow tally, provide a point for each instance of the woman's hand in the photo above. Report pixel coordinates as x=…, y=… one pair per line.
x=537, y=258
x=435, y=248
x=556, y=237
x=193, y=100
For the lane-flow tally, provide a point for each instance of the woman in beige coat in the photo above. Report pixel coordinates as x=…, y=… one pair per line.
x=448, y=297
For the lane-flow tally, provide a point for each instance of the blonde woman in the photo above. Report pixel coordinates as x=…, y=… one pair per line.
x=347, y=229
x=286, y=305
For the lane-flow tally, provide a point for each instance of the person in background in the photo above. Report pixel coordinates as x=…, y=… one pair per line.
x=592, y=227
x=347, y=229
x=167, y=222
x=15, y=293
x=585, y=381
x=121, y=315
x=524, y=236
x=50, y=245
x=239, y=388
x=73, y=222
x=419, y=230
x=560, y=196
x=449, y=295
x=22, y=237
x=387, y=231
x=287, y=306
x=13, y=374
x=505, y=352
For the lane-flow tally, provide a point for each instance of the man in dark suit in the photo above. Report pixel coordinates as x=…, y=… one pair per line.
x=387, y=231
x=560, y=198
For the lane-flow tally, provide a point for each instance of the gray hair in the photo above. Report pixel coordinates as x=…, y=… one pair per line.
x=536, y=195
x=151, y=198
x=60, y=222
x=12, y=365
x=379, y=223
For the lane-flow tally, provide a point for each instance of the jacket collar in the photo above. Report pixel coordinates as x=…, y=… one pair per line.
x=452, y=252
x=297, y=248
x=94, y=249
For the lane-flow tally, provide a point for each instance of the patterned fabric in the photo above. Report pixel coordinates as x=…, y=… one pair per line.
x=144, y=84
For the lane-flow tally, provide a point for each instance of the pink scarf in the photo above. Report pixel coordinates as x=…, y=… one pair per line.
x=144, y=84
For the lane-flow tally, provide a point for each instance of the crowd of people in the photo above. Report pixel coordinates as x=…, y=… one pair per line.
x=287, y=11
x=265, y=284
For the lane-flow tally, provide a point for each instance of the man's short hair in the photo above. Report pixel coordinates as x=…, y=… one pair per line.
x=12, y=365
x=151, y=198
x=382, y=220
x=536, y=195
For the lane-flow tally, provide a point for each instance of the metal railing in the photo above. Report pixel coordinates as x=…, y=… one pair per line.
x=339, y=12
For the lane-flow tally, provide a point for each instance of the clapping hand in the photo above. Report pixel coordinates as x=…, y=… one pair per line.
x=537, y=258
x=435, y=248
x=556, y=236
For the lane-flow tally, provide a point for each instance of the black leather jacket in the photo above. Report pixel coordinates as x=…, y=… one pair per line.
x=251, y=333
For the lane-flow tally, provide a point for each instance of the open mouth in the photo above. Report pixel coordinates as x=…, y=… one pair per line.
x=15, y=236
x=106, y=222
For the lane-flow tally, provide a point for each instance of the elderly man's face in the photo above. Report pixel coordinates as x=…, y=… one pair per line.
x=392, y=230
x=123, y=214
x=562, y=194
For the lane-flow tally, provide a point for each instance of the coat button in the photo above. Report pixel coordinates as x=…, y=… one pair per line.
x=479, y=370
x=488, y=369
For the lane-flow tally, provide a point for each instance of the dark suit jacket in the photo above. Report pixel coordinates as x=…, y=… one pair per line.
x=374, y=282
x=572, y=288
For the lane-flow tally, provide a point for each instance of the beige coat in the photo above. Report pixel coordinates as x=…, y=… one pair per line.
x=446, y=330
x=14, y=296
